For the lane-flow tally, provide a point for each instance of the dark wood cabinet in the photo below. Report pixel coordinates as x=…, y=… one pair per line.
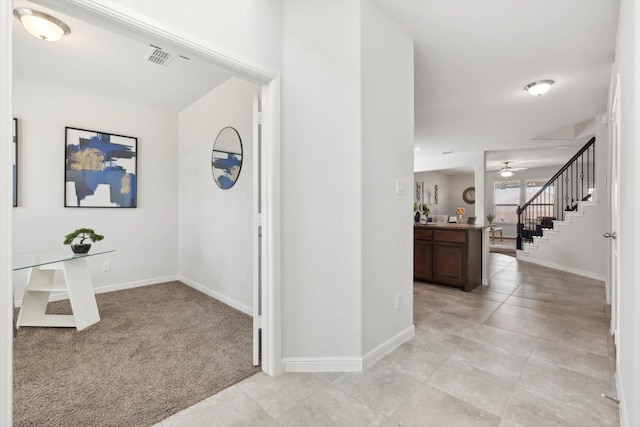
x=422, y=254
x=448, y=255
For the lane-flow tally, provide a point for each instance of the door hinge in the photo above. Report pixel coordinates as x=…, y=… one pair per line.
x=257, y=118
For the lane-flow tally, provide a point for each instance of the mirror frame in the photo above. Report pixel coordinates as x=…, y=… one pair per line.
x=213, y=159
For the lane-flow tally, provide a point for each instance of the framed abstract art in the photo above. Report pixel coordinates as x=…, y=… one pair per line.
x=100, y=169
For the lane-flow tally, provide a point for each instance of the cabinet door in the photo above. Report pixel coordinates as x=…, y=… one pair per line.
x=449, y=262
x=422, y=260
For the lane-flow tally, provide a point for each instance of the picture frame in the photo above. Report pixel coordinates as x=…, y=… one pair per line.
x=15, y=162
x=428, y=193
x=100, y=169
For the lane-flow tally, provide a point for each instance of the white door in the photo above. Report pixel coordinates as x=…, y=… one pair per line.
x=615, y=210
x=257, y=227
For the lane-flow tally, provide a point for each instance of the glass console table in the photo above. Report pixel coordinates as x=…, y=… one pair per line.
x=77, y=283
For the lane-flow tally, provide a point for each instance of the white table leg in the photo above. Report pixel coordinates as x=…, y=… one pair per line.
x=34, y=302
x=81, y=295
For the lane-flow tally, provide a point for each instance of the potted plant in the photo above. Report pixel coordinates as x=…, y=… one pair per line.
x=425, y=210
x=82, y=234
x=490, y=218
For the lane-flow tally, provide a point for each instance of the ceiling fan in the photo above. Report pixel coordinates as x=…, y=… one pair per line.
x=507, y=170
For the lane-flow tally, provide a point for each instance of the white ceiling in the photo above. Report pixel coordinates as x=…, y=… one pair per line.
x=104, y=62
x=474, y=57
x=472, y=60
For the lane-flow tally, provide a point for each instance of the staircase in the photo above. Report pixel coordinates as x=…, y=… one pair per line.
x=570, y=244
x=561, y=226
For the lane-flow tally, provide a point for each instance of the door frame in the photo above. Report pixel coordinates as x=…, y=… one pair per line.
x=614, y=208
x=268, y=80
x=6, y=207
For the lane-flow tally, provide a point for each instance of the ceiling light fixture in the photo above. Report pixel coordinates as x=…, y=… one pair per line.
x=539, y=88
x=507, y=170
x=41, y=25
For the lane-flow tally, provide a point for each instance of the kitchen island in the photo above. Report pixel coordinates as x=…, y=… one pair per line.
x=448, y=254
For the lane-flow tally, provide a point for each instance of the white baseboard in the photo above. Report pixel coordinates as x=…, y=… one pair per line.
x=322, y=364
x=561, y=267
x=622, y=408
x=388, y=346
x=220, y=297
x=59, y=296
x=347, y=364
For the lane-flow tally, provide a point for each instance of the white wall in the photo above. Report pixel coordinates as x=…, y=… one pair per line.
x=458, y=185
x=145, y=238
x=628, y=65
x=321, y=214
x=443, y=181
x=387, y=156
x=215, y=225
x=474, y=159
x=578, y=248
x=320, y=64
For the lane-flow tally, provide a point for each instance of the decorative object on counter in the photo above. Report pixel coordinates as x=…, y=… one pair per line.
x=425, y=211
x=460, y=215
x=100, y=169
x=490, y=218
x=83, y=234
x=226, y=158
x=421, y=214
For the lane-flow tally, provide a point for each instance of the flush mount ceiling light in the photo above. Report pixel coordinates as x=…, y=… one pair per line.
x=539, y=88
x=41, y=25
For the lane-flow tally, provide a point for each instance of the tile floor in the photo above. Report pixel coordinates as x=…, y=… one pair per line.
x=530, y=349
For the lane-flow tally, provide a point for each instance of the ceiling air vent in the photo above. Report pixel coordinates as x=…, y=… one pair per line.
x=159, y=57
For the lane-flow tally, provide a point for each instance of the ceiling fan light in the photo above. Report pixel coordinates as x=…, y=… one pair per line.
x=506, y=173
x=41, y=25
x=539, y=88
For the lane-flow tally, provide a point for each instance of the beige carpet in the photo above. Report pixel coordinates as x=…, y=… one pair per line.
x=157, y=350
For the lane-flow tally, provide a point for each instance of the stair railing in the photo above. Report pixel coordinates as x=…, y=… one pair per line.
x=571, y=184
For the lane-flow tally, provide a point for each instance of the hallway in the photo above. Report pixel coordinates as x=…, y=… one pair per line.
x=530, y=349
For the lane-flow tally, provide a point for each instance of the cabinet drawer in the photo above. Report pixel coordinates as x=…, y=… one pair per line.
x=450, y=236
x=422, y=233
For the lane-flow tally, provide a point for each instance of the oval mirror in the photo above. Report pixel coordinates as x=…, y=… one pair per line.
x=226, y=158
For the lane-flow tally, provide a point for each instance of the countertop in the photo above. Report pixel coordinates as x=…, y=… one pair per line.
x=452, y=226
